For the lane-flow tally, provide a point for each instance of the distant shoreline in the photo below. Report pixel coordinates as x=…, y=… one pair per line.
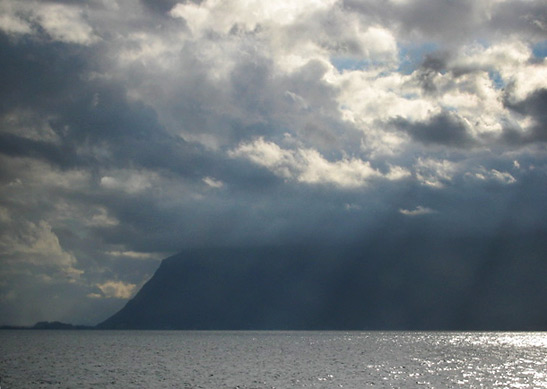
x=49, y=325
x=55, y=325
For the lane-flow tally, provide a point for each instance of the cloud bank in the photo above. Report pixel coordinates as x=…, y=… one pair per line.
x=130, y=130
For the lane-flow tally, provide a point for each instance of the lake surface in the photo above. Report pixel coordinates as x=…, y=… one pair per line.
x=183, y=359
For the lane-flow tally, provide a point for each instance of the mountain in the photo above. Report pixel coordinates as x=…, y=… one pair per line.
x=333, y=288
x=56, y=325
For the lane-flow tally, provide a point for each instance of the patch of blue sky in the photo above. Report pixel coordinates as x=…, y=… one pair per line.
x=449, y=108
x=410, y=96
x=349, y=63
x=411, y=56
x=496, y=79
x=540, y=49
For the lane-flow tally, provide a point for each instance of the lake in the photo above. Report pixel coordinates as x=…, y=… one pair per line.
x=208, y=359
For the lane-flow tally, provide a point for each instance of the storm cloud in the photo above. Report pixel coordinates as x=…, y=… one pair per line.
x=131, y=130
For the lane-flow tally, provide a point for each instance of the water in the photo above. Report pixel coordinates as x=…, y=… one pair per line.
x=179, y=359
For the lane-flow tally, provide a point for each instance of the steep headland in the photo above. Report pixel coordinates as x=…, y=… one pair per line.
x=333, y=288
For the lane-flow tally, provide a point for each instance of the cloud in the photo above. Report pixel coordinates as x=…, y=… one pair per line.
x=493, y=174
x=247, y=14
x=452, y=23
x=435, y=173
x=114, y=289
x=443, y=129
x=129, y=181
x=38, y=245
x=12, y=24
x=533, y=108
x=134, y=129
x=62, y=22
x=65, y=23
x=136, y=255
x=308, y=166
x=418, y=211
x=102, y=219
x=213, y=183
x=161, y=6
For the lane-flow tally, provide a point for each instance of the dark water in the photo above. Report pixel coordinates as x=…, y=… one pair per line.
x=178, y=359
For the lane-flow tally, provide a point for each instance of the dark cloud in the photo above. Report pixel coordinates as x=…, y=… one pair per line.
x=531, y=18
x=22, y=147
x=38, y=74
x=532, y=106
x=433, y=65
x=53, y=80
x=456, y=21
x=163, y=6
x=442, y=20
x=436, y=61
x=445, y=129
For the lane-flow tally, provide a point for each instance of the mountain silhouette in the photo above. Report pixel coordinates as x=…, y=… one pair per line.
x=333, y=288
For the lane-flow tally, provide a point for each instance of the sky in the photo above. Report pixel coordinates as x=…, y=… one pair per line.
x=133, y=129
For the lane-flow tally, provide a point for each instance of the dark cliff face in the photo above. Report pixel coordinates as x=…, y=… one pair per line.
x=336, y=289
x=258, y=288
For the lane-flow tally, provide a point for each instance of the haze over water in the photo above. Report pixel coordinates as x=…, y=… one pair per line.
x=187, y=359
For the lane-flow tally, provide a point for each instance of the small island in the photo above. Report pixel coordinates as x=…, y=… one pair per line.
x=48, y=325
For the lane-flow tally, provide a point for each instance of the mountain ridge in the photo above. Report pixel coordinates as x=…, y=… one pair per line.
x=336, y=288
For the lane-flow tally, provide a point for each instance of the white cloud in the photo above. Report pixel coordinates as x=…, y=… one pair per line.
x=65, y=23
x=346, y=173
x=503, y=177
x=472, y=83
x=352, y=207
x=483, y=174
x=28, y=124
x=70, y=213
x=434, y=173
x=477, y=97
x=379, y=44
x=397, y=173
x=37, y=244
x=418, y=211
x=505, y=56
x=221, y=16
x=526, y=79
x=368, y=98
x=129, y=181
x=62, y=22
x=195, y=15
x=12, y=24
x=268, y=154
x=101, y=218
x=309, y=166
x=136, y=254
x=149, y=49
x=5, y=216
x=213, y=183
x=32, y=174
x=115, y=289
